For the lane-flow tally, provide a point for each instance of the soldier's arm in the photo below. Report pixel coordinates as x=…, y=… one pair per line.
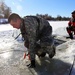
x=69, y=23
x=31, y=32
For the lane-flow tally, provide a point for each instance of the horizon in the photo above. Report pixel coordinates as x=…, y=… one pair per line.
x=32, y=7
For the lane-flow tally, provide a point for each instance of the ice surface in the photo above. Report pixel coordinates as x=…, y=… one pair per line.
x=12, y=61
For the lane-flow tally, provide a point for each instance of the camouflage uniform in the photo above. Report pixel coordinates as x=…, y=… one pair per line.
x=39, y=35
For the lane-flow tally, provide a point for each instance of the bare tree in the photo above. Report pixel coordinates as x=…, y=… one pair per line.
x=4, y=10
x=7, y=12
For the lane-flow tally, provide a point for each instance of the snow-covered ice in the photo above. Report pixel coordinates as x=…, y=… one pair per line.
x=12, y=51
x=59, y=27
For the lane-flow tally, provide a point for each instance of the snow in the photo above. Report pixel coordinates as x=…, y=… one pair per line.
x=11, y=51
x=4, y=27
x=59, y=26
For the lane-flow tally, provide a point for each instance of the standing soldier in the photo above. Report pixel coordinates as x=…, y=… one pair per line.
x=37, y=34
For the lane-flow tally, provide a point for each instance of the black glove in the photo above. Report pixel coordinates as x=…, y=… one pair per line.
x=26, y=43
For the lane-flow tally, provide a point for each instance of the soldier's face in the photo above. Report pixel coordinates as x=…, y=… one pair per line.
x=15, y=23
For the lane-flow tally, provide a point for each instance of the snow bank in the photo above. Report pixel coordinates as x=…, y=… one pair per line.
x=59, y=27
x=5, y=27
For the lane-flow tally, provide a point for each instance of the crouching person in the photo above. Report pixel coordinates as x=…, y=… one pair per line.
x=37, y=34
x=71, y=26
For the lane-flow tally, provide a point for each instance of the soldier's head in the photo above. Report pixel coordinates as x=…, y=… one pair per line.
x=15, y=20
x=73, y=14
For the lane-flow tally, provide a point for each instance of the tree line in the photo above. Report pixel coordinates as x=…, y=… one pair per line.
x=5, y=11
x=58, y=18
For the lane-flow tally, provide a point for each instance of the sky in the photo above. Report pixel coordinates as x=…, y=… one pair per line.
x=50, y=7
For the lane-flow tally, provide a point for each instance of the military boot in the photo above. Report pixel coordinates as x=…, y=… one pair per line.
x=32, y=65
x=51, y=55
x=43, y=54
x=71, y=36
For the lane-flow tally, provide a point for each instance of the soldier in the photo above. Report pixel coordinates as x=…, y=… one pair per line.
x=71, y=26
x=37, y=34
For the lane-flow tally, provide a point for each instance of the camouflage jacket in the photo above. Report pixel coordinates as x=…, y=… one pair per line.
x=34, y=29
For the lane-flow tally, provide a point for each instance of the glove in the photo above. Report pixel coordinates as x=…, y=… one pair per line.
x=26, y=44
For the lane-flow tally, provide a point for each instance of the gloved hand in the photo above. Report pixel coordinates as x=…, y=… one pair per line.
x=26, y=44
x=71, y=27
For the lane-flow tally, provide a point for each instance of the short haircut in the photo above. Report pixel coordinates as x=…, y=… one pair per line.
x=73, y=12
x=13, y=16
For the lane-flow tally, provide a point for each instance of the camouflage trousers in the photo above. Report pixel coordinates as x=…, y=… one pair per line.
x=39, y=49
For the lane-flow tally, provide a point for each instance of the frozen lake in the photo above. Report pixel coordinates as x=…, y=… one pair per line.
x=12, y=51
